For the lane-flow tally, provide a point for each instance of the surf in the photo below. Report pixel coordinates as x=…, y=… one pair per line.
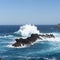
x=26, y=31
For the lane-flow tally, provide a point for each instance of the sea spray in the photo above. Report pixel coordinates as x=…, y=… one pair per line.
x=27, y=30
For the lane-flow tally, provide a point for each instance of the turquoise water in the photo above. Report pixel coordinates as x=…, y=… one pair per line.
x=43, y=50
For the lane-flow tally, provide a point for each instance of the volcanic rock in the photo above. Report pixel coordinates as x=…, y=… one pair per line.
x=26, y=41
x=31, y=39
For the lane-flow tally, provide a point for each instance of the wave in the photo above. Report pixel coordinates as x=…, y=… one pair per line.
x=10, y=46
x=6, y=36
x=56, y=39
x=27, y=30
x=54, y=33
x=37, y=41
x=30, y=58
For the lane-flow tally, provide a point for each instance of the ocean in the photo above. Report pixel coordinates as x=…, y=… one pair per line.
x=47, y=49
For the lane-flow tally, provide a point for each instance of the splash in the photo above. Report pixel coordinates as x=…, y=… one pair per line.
x=27, y=30
x=10, y=46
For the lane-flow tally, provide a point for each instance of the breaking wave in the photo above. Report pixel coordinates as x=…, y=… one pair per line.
x=30, y=58
x=10, y=46
x=27, y=30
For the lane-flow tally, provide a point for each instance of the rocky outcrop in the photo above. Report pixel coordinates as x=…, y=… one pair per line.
x=31, y=39
x=58, y=26
x=47, y=36
x=26, y=41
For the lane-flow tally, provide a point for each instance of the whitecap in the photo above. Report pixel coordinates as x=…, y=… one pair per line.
x=10, y=46
x=27, y=30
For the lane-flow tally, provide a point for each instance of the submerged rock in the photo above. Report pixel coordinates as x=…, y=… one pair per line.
x=31, y=39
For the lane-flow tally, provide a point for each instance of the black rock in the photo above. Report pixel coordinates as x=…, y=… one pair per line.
x=26, y=41
x=31, y=39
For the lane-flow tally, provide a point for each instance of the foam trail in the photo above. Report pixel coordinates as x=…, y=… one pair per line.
x=7, y=36
x=10, y=46
x=27, y=30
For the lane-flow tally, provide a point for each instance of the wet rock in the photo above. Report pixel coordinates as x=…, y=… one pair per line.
x=47, y=36
x=26, y=41
x=31, y=39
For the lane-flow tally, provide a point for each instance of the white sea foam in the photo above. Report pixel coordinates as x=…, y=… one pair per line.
x=7, y=36
x=54, y=33
x=30, y=57
x=56, y=39
x=27, y=30
x=50, y=59
x=10, y=46
x=27, y=58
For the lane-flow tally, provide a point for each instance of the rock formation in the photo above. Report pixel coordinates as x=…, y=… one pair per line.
x=48, y=36
x=26, y=41
x=30, y=40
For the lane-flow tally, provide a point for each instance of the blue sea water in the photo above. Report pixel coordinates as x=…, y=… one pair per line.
x=43, y=50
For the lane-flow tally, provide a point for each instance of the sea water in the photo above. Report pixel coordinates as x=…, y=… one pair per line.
x=46, y=49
